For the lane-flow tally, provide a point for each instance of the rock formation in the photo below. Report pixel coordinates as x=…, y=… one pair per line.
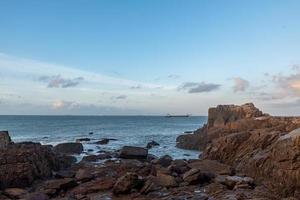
x=261, y=146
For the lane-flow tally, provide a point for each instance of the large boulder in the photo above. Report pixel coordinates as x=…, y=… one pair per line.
x=69, y=148
x=130, y=152
x=127, y=183
x=22, y=163
x=4, y=139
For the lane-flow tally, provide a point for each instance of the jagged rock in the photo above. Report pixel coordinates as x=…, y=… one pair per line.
x=152, y=144
x=212, y=166
x=69, y=148
x=179, y=166
x=60, y=184
x=165, y=180
x=126, y=183
x=65, y=174
x=130, y=152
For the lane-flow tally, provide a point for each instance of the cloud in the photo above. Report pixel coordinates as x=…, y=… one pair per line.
x=288, y=84
x=121, y=97
x=193, y=87
x=59, y=82
x=173, y=76
x=240, y=84
x=136, y=87
x=60, y=104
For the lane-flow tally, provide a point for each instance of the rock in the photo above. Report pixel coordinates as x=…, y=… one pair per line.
x=165, y=180
x=83, y=139
x=104, y=141
x=150, y=185
x=69, y=148
x=165, y=161
x=60, y=184
x=238, y=182
x=195, y=176
x=15, y=193
x=126, y=183
x=151, y=144
x=212, y=166
x=179, y=166
x=22, y=163
x=89, y=158
x=130, y=152
x=91, y=133
x=37, y=196
x=65, y=174
x=4, y=139
x=84, y=175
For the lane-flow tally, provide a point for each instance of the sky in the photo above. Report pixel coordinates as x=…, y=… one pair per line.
x=152, y=57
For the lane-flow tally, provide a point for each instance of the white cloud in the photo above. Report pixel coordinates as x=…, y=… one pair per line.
x=240, y=84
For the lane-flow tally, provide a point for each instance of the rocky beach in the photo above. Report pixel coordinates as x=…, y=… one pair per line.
x=243, y=154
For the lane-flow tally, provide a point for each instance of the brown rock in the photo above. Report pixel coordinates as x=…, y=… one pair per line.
x=84, y=175
x=130, y=152
x=165, y=180
x=15, y=193
x=127, y=183
x=37, y=196
x=195, y=176
x=165, y=161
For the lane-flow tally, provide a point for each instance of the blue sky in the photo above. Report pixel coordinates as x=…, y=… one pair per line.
x=148, y=57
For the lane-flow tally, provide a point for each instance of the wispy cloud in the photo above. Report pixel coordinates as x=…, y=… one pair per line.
x=193, y=87
x=240, y=84
x=57, y=81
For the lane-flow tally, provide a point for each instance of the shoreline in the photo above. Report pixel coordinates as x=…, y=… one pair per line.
x=242, y=157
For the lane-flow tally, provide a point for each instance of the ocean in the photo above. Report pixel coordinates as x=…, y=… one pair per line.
x=128, y=130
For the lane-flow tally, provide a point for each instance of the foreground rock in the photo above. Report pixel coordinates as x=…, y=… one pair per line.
x=256, y=144
x=21, y=164
x=130, y=152
x=4, y=139
x=69, y=148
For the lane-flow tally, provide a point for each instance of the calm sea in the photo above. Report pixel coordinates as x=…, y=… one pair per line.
x=128, y=130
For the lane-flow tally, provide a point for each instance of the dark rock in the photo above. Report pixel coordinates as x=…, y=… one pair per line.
x=165, y=180
x=65, y=174
x=4, y=139
x=37, y=196
x=179, y=166
x=69, y=148
x=165, y=161
x=22, y=163
x=104, y=141
x=60, y=184
x=130, y=152
x=90, y=158
x=151, y=144
x=127, y=183
x=91, y=133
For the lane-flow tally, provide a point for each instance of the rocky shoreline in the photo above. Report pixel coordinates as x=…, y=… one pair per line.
x=246, y=155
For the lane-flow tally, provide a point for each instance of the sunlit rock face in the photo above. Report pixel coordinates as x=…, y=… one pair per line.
x=262, y=146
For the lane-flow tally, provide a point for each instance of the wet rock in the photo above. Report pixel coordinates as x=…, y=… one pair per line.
x=165, y=161
x=195, y=176
x=89, y=158
x=131, y=152
x=83, y=139
x=4, y=139
x=69, y=148
x=127, y=183
x=15, y=193
x=91, y=133
x=152, y=144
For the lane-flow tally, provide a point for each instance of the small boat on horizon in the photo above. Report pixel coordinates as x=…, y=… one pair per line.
x=169, y=116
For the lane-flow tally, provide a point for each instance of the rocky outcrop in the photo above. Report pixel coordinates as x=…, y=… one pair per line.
x=22, y=163
x=4, y=139
x=261, y=146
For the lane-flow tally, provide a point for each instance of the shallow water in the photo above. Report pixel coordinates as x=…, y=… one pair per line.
x=128, y=130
